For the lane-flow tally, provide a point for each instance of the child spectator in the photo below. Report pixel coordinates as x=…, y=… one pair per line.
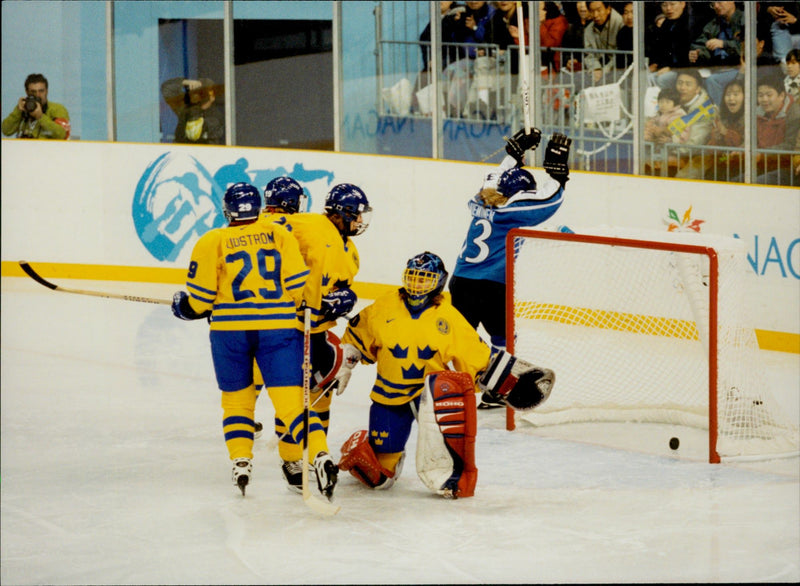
x=656, y=128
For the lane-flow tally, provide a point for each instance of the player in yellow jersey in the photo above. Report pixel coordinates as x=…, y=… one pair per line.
x=332, y=258
x=413, y=334
x=248, y=278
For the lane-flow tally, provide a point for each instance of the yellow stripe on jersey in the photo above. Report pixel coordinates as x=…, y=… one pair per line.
x=251, y=276
x=406, y=347
x=330, y=258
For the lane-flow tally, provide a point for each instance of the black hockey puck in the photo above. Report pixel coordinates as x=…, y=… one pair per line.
x=674, y=443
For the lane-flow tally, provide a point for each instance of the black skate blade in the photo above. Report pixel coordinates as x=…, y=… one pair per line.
x=241, y=482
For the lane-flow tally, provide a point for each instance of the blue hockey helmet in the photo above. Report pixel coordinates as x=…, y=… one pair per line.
x=241, y=201
x=285, y=193
x=350, y=203
x=423, y=279
x=515, y=180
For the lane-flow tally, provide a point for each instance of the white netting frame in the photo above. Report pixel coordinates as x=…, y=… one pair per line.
x=576, y=303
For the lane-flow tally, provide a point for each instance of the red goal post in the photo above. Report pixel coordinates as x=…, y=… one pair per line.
x=643, y=326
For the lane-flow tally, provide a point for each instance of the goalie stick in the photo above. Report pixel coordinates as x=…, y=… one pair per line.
x=42, y=281
x=314, y=503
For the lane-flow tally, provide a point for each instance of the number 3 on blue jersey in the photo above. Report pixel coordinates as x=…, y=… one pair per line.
x=480, y=241
x=264, y=257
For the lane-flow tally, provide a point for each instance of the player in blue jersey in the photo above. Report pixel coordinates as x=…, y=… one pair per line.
x=248, y=279
x=509, y=198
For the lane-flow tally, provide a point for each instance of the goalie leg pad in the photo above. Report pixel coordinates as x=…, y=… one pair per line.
x=326, y=358
x=360, y=460
x=516, y=382
x=447, y=428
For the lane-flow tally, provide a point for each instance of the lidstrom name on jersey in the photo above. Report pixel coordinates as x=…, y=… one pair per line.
x=260, y=238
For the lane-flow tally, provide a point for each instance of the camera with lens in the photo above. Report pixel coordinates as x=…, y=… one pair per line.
x=30, y=103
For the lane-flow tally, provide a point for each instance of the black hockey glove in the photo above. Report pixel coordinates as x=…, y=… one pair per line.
x=521, y=142
x=182, y=310
x=338, y=303
x=556, y=157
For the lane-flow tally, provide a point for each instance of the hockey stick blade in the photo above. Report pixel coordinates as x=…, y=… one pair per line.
x=319, y=505
x=42, y=281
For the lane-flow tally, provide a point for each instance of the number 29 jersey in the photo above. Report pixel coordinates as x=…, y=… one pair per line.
x=251, y=277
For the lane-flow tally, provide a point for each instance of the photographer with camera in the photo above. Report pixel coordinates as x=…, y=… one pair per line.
x=200, y=119
x=36, y=117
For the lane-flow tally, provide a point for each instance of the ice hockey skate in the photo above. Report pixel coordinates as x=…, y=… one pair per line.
x=327, y=473
x=242, y=470
x=293, y=473
x=489, y=401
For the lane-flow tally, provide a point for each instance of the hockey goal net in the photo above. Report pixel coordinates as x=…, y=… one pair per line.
x=644, y=326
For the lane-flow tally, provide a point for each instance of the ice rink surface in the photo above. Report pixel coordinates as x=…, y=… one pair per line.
x=114, y=471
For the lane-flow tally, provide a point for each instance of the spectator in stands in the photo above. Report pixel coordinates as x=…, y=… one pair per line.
x=474, y=24
x=200, y=119
x=657, y=128
x=625, y=37
x=765, y=62
x=601, y=34
x=700, y=110
x=792, y=80
x=34, y=116
x=573, y=37
x=784, y=26
x=720, y=43
x=501, y=30
x=669, y=43
x=777, y=126
x=456, y=70
x=452, y=29
x=727, y=131
x=552, y=27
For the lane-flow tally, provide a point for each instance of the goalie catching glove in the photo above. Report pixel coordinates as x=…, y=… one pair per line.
x=556, y=156
x=521, y=142
x=516, y=383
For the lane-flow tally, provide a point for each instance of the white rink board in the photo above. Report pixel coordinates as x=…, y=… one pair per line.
x=79, y=207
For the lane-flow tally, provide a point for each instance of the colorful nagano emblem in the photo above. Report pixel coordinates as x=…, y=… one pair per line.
x=685, y=224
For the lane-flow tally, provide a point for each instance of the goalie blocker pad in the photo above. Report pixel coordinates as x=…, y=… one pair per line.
x=447, y=422
x=515, y=382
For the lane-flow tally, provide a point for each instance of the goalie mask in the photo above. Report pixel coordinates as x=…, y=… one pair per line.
x=285, y=193
x=423, y=279
x=242, y=201
x=349, y=203
x=515, y=180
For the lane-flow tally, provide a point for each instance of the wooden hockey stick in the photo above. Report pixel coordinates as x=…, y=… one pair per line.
x=313, y=502
x=523, y=67
x=42, y=281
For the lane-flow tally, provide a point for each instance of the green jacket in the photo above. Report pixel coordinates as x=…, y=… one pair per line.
x=45, y=127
